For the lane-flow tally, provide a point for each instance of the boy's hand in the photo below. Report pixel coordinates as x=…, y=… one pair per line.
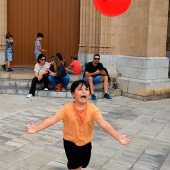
x=123, y=140
x=31, y=129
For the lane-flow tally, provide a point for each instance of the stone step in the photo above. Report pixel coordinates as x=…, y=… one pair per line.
x=25, y=91
x=27, y=83
x=29, y=75
x=19, y=81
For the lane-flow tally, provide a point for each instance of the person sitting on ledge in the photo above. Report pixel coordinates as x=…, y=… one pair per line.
x=74, y=67
x=41, y=75
x=57, y=73
x=95, y=73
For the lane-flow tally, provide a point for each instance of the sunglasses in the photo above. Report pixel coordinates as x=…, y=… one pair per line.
x=43, y=59
x=96, y=58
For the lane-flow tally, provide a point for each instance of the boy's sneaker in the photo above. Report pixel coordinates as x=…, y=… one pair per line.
x=106, y=96
x=8, y=69
x=4, y=66
x=93, y=97
x=29, y=95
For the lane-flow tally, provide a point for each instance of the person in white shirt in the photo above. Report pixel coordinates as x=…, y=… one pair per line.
x=41, y=74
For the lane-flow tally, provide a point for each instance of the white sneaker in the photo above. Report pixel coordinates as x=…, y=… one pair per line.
x=29, y=95
x=46, y=89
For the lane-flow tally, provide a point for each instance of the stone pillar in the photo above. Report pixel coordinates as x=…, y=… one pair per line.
x=142, y=62
x=104, y=35
x=3, y=29
x=95, y=30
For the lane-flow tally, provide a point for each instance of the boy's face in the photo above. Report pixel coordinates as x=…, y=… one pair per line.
x=81, y=94
x=40, y=38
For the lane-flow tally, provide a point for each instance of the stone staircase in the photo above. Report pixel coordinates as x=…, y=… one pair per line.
x=18, y=82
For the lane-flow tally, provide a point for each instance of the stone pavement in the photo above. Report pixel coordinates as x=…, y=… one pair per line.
x=148, y=124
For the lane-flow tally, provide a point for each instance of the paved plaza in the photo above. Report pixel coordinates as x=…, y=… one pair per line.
x=148, y=124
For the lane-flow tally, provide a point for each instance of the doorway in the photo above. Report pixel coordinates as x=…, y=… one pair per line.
x=58, y=20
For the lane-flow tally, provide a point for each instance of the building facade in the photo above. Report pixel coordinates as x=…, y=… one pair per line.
x=133, y=46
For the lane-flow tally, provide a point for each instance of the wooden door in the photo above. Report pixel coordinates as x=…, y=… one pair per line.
x=168, y=32
x=58, y=20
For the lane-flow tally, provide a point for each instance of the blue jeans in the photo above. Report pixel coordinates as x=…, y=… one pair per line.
x=64, y=81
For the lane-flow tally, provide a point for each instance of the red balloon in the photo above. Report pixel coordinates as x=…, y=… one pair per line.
x=112, y=8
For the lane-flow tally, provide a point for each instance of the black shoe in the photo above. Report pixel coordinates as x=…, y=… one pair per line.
x=8, y=69
x=4, y=66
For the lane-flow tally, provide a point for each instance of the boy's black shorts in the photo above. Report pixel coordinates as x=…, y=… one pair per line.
x=77, y=155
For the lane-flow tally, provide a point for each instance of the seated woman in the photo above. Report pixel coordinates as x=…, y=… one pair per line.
x=41, y=75
x=57, y=73
x=74, y=67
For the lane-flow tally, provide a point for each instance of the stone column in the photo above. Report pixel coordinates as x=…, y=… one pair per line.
x=84, y=30
x=104, y=35
x=95, y=30
x=3, y=29
x=142, y=61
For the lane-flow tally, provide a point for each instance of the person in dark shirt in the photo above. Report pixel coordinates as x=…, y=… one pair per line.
x=57, y=73
x=95, y=73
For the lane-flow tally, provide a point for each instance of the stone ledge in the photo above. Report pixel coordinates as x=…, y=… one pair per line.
x=144, y=89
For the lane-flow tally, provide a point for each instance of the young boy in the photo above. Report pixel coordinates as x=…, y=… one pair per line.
x=75, y=67
x=9, y=51
x=38, y=49
x=78, y=119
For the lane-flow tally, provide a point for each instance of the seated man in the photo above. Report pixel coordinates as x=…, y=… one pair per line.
x=95, y=74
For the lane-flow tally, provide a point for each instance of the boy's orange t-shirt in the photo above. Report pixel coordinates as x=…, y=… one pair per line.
x=76, y=67
x=78, y=125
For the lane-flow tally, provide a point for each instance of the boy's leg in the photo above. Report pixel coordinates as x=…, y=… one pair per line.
x=36, y=55
x=9, y=64
x=9, y=58
x=74, y=155
x=69, y=71
x=86, y=154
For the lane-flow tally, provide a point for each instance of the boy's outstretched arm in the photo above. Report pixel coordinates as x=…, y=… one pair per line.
x=110, y=130
x=43, y=125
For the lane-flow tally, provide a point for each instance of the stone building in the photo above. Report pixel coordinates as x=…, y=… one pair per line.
x=133, y=46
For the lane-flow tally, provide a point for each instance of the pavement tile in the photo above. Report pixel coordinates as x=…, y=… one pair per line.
x=138, y=166
x=147, y=123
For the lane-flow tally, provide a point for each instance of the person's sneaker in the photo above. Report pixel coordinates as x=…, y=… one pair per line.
x=45, y=89
x=106, y=96
x=63, y=90
x=4, y=66
x=8, y=69
x=93, y=97
x=29, y=95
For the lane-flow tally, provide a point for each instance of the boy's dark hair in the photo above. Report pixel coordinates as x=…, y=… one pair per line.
x=74, y=57
x=59, y=56
x=8, y=34
x=76, y=83
x=40, y=57
x=40, y=35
